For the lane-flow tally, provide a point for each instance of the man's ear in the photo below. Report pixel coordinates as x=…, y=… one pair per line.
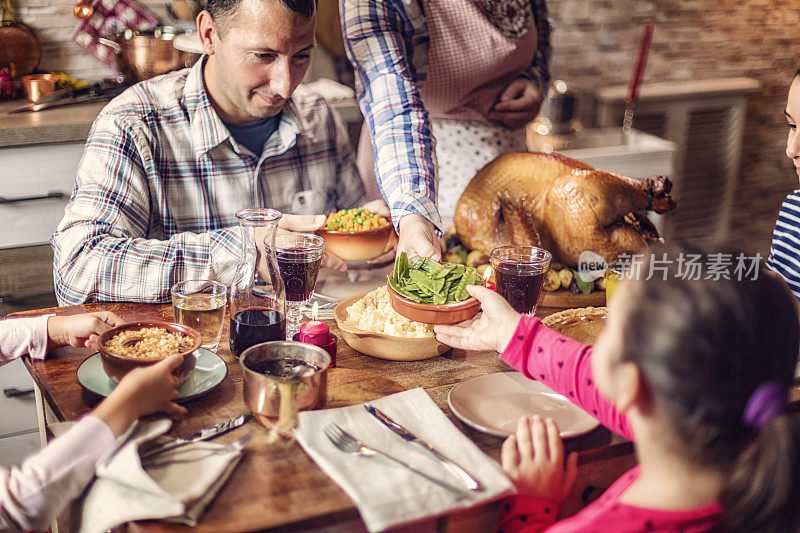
x=206, y=29
x=632, y=389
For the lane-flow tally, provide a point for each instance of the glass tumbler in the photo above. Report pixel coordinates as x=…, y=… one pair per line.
x=200, y=304
x=519, y=273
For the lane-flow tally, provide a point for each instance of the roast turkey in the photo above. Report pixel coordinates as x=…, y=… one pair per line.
x=561, y=204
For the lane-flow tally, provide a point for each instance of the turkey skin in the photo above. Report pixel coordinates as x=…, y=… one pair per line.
x=560, y=204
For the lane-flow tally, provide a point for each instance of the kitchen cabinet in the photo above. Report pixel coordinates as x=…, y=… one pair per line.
x=19, y=433
x=35, y=185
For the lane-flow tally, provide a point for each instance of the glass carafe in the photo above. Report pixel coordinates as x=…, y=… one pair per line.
x=258, y=298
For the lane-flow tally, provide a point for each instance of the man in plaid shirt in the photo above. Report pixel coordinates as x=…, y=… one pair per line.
x=170, y=161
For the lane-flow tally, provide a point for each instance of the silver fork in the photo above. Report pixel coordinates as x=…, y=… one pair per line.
x=349, y=444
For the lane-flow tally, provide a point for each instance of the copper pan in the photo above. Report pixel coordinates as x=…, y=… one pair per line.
x=19, y=47
x=142, y=54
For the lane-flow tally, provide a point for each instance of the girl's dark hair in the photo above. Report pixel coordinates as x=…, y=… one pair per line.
x=704, y=344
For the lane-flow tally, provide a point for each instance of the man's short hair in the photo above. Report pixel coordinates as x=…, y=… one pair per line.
x=220, y=9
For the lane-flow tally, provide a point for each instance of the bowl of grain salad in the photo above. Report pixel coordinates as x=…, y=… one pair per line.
x=144, y=343
x=369, y=325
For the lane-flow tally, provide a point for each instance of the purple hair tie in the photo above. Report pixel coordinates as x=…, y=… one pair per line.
x=766, y=402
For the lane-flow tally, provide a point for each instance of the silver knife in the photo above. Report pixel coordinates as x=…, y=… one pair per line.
x=203, y=434
x=464, y=477
x=70, y=97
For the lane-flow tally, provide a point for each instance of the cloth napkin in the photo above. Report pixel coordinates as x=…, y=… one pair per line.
x=388, y=494
x=175, y=486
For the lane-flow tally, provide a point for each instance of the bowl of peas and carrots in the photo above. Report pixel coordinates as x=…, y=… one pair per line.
x=356, y=234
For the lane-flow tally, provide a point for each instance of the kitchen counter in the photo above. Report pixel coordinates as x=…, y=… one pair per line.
x=61, y=124
x=72, y=123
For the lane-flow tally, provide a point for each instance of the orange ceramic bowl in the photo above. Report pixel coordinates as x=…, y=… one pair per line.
x=358, y=245
x=432, y=313
x=116, y=366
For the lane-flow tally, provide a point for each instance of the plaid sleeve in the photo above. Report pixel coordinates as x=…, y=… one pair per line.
x=377, y=40
x=539, y=71
x=101, y=248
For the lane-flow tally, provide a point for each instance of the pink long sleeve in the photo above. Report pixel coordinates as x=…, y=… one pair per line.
x=32, y=495
x=19, y=336
x=564, y=365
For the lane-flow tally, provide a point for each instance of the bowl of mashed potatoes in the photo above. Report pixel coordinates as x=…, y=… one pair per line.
x=370, y=325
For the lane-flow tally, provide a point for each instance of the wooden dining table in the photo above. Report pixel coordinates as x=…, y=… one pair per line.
x=277, y=485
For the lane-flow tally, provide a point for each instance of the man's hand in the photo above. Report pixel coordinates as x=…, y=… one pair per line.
x=491, y=330
x=301, y=224
x=79, y=330
x=534, y=460
x=310, y=224
x=381, y=208
x=418, y=237
x=519, y=103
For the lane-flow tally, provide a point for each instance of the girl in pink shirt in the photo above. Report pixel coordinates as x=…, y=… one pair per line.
x=32, y=495
x=694, y=368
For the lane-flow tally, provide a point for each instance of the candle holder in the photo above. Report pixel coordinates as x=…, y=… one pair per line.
x=329, y=347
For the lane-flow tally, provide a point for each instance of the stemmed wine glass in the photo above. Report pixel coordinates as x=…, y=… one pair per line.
x=299, y=256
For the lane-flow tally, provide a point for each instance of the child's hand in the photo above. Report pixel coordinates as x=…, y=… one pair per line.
x=79, y=330
x=142, y=391
x=534, y=460
x=491, y=330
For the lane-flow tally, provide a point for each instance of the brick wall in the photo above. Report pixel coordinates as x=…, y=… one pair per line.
x=595, y=43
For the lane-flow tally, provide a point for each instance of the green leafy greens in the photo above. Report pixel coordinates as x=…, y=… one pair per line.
x=424, y=280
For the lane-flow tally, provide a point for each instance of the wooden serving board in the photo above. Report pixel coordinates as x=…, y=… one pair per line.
x=565, y=299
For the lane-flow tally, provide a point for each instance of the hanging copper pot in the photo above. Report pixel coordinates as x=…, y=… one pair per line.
x=142, y=54
x=19, y=48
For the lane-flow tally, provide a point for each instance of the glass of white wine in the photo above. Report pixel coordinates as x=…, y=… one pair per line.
x=200, y=304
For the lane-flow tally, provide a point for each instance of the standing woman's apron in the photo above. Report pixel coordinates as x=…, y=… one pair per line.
x=471, y=60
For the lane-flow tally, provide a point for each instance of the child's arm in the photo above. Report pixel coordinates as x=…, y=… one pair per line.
x=32, y=495
x=536, y=351
x=35, y=335
x=19, y=336
x=564, y=365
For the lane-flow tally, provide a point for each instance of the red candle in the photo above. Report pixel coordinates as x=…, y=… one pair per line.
x=318, y=333
x=315, y=332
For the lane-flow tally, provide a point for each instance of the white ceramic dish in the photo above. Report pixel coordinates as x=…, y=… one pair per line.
x=493, y=403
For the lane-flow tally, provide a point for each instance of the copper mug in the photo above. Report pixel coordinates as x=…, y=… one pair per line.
x=269, y=396
x=38, y=85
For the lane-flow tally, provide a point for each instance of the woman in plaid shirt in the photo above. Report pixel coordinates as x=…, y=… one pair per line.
x=467, y=73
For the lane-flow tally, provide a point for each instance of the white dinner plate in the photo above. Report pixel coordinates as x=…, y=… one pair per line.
x=493, y=403
x=209, y=372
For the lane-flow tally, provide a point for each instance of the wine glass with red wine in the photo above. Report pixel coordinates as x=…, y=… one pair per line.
x=519, y=273
x=299, y=256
